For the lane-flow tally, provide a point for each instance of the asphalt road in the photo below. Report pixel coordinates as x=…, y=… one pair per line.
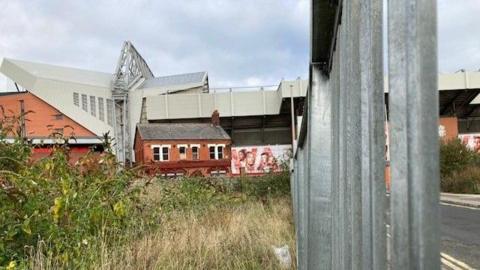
x=460, y=230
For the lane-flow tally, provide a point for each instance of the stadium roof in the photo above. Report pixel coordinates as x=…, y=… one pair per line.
x=57, y=73
x=196, y=78
x=185, y=131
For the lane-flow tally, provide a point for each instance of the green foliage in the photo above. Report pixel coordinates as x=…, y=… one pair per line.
x=455, y=156
x=67, y=213
x=62, y=205
x=12, y=156
x=459, y=168
x=466, y=180
x=270, y=185
x=201, y=193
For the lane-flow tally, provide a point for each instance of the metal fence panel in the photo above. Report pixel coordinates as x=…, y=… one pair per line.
x=353, y=139
x=414, y=133
x=320, y=177
x=373, y=136
x=338, y=187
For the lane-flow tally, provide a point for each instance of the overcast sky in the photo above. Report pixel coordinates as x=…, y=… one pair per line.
x=239, y=42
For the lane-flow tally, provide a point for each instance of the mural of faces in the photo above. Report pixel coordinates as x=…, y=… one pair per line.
x=472, y=141
x=259, y=159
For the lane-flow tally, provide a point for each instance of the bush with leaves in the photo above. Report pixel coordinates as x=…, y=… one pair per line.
x=459, y=167
x=466, y=180
x=66, y=206
x=456, y=156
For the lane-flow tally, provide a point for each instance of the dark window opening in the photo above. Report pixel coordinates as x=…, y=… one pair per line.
x=219, y=152
x=165, y=154
x=183, y=152
x=156, y=153
x=212, y=152
x=195, y=153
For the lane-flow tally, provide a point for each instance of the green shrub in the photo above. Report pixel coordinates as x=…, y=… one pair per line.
x=64, y=206
x=202, y=193
x=459, y=168
x=66, y=213
x=274, y=184
x=455, y=156
x=466, y=180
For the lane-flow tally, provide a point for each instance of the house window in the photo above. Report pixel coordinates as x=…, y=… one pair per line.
x=216, y=151
x=195, y=152
x=58, y=116
x=76, y=99
x=93, y=106
x=156, y=153
x=110, y=112
x=165, y=153
x=212, y=149
x=182, y=150
x=219, y=152
x=84, y=103
x=161, y=152
x=101, y=109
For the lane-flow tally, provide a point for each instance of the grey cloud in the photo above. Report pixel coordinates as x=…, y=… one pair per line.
x=234, y=41
x=459, y=35
x=238, y=42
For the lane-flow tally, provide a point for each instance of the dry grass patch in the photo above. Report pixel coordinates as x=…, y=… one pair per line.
x=237, y=237
x=190, y=223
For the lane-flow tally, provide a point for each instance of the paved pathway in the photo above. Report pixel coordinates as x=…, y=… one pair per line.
x=460, y=231
x=470, y=200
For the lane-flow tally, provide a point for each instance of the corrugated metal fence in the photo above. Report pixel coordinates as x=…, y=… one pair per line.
x=341, y=207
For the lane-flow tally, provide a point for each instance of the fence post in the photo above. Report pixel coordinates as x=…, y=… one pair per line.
x=413, y=95
x=353, y=138
x=319, y=146
x=338, y=187
x=374, y=241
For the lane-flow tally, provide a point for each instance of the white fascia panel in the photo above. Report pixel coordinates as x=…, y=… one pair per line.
x=170, y=89
x=451, y=81
x=60, y=95
x=297, y=87
x=17, y=74
x=66, y=74
x=182, y=104
x=57, y=93
x=135, y=109
x=248, y=103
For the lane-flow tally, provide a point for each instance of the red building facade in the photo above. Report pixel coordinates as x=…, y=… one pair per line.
x=41, y=123
x=174, y=149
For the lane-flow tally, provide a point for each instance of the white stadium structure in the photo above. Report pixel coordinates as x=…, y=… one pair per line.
x=116, y=103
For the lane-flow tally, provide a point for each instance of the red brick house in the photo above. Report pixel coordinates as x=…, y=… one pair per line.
x=41, y=121
x=191, y=149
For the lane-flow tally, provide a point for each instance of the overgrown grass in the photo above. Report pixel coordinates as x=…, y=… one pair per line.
x=194, y=223
x=98, y=215
x=459, y=168
x=92, y=216
x=236, y=236
x=466, y=180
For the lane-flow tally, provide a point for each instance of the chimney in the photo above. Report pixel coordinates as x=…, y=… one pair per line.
x=215, y=118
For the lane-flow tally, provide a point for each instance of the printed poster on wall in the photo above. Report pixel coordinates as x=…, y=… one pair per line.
x=472, y=141
x=260, y=159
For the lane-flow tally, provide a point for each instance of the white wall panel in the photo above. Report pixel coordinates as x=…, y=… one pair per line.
x=60, y=95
